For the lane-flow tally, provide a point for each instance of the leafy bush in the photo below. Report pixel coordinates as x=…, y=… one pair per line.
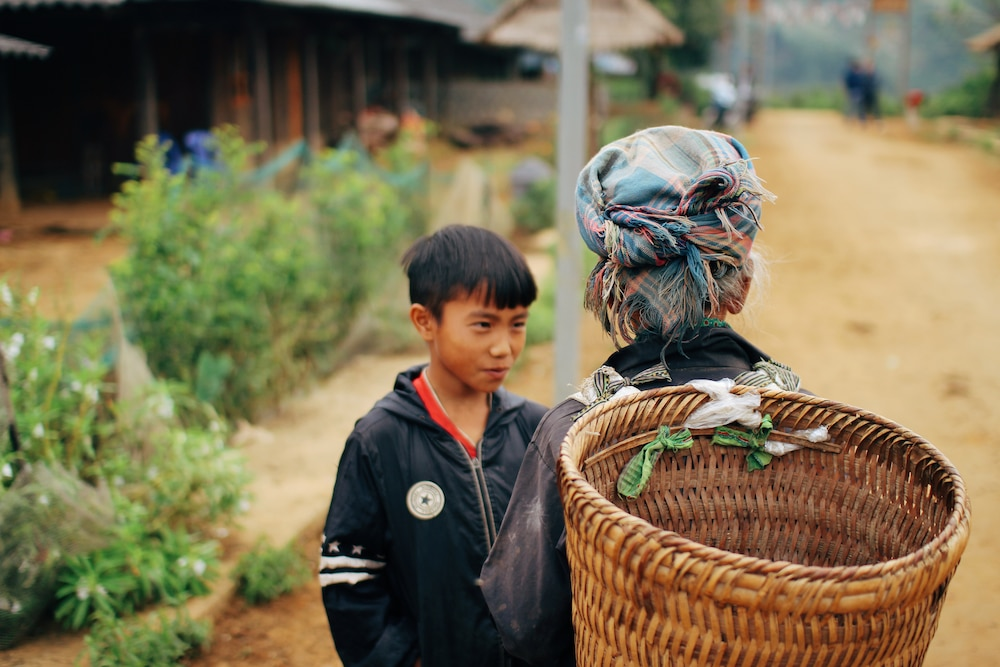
x=265, y=572
x=135, y=571
x=160, y=643
x=967, y=98
x=242, y=293
x=535, y=210
x=59, y=387
x=107, y=502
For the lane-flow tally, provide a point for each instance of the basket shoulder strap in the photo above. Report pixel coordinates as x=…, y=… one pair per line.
x=605, y=383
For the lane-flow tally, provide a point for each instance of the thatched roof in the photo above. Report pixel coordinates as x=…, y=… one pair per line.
x=985, y=41
x=615, y=25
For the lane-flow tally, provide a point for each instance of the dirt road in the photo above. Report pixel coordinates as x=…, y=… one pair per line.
x=884, y=293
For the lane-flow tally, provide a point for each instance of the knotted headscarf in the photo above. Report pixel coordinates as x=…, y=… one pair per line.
x=661, y=208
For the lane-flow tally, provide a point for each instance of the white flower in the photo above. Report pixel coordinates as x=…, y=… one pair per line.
x=33, y=296
x=91, y=393
x=101, y=590
x=43, y=500
x=199, y=567
x=5, y=295
x=13, y=347
x=38, y=432
x=221, y=532
x=118, y=480
x=164, y=406
x=75, y=385
x=49, y=342
x=7, y=471
x=152, y=472
x=214, y=426
x=244, y=505
x=182, y=561
x=82, y=592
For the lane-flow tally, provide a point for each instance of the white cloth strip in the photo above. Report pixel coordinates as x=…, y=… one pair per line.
x=344, y=578
x=343, y=562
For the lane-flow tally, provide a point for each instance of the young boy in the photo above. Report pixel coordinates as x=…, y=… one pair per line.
x=426, y=475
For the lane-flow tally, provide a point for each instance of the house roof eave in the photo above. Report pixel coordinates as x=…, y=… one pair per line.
x=15, y=47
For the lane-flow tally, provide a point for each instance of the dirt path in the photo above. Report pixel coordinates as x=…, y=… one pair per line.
x=885, y=287
x=884, y=295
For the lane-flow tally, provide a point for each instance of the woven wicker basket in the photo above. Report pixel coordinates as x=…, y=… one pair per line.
x=835, y=555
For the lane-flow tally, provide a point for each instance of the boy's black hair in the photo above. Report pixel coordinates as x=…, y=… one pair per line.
x=460, y=260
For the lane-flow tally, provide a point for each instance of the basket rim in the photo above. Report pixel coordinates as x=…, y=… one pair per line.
x=867, y=580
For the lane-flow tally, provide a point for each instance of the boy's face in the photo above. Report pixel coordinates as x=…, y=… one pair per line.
x=472, y=346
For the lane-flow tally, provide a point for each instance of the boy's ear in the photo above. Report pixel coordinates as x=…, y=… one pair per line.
x=423, y=321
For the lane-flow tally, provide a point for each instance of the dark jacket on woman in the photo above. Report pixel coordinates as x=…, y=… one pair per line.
x=526, y=577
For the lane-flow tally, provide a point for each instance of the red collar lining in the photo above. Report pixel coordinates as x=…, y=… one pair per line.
x=440, y=417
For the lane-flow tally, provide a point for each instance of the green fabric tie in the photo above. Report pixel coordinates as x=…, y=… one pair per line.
x=753, y=440
x=635, y=475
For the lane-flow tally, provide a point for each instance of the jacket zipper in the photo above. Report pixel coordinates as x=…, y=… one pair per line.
x=485, y=507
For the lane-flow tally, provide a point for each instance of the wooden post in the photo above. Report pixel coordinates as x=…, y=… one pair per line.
x=359, y=94
x=10, y=201
x=430, y=74
x=263, y=121
x=295, y=111
x=148, y=121
x=401, y=74
x=310, y=88
x=221, y=89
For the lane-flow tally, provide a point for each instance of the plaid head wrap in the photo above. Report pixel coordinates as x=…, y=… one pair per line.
x=660, y=208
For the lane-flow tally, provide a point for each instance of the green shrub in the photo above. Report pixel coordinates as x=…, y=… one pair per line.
x=58, y=382
x=106, y=503
x=242, y=293
x=163, y=642
x=535, y=210
x=967, y=98
x=265, y=572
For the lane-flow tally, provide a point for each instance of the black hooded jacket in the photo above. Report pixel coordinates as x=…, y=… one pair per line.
x=411, y=520
x=533, y=609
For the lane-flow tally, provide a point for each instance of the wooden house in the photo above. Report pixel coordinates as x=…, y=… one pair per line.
x=281, y=70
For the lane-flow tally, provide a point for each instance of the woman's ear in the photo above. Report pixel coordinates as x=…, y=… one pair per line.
x=736, y=305
x=423, y=321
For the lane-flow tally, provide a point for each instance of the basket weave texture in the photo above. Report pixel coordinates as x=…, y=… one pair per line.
x=835, y=557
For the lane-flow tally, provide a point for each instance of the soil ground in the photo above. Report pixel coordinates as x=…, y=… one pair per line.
x=884, y=294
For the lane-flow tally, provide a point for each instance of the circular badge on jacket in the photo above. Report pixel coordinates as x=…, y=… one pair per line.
x=425, y=500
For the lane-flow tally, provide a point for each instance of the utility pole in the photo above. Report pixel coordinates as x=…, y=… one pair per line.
x=572, y=140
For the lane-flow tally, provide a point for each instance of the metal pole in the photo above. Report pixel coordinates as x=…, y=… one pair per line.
x=904, y=69
x=571, y=142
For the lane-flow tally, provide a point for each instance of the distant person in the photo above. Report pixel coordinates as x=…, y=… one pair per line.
x=426, y=474
x=869, y=93
x=672, y=214
x=723, y=96
x=853, y=89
